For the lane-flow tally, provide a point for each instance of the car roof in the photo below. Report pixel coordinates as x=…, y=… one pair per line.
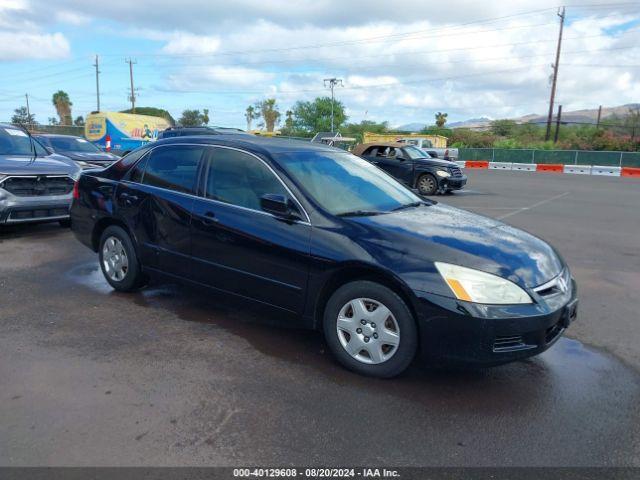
x=251, y=143
x=52, y=135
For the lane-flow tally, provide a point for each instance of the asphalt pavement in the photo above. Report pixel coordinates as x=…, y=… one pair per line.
x=173, y=376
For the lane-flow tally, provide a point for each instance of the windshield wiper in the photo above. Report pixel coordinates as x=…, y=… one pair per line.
x=408, y=205
x=359, y=213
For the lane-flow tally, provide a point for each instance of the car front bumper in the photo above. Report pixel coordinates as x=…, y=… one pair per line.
x=453, y=183
x=463, y=333
x=16, y=209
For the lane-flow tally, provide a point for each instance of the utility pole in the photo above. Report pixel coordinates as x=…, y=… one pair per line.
x=97, y=84
x=332, y=83
x=555, y=137
x=560, y=14
x=132, y=97
x=599, y=116
x=26, y=95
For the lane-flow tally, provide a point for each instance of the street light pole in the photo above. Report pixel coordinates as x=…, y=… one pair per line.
x=332, y=82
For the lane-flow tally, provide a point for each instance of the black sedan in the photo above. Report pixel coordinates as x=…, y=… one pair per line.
x=413, y=167
x=332, y=243
x=84, y=153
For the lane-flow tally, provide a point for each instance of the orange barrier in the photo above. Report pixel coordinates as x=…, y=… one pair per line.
x=550, y=167
x=630, y=172
x=477, y=164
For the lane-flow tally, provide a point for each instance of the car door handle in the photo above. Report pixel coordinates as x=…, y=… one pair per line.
x=209, y=218
x=128, y=198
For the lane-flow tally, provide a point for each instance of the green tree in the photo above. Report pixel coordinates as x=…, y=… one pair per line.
x=79, y=121
x=268, y=110
x=192, y=118
x=63, y=105
x=504, y=127
x=441, y=119
x=357, y=129
x=205, y=116
x=154, y=112
x=288, y=128
x=250, y=115
x=315, y=116
x=21, y=117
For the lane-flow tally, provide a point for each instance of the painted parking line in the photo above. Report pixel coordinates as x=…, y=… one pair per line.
x=530, y=207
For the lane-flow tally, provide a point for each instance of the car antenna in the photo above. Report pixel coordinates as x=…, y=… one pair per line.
x=31, y=142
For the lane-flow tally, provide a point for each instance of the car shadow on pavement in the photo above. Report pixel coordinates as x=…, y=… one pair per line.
x=35, y=230
x=568, y=375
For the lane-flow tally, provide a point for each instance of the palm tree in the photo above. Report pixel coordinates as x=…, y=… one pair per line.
x=289, y=120
x=63, y=105
x=441, y=119
x=250, y=114
x=268, y=110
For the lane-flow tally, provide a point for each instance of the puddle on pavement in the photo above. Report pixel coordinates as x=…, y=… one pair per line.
x=567, y=370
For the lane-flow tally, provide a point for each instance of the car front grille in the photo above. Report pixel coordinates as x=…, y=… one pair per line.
x=38, y=185
x=456, y=172
x=23, y=215
x=508, y=343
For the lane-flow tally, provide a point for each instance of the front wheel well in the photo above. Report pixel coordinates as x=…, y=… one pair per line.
x=355, y=273
x=422, y=174
x=100, y=226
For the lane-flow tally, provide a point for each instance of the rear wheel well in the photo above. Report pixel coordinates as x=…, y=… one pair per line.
x=101, y=226
x=351, y=274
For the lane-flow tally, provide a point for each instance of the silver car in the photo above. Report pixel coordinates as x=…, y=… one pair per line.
x=35, y=186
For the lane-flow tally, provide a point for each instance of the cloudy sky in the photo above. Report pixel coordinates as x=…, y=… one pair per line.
x=399, y=61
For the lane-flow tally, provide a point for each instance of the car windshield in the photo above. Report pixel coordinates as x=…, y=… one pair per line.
x=415, y=153
x=72, y=144
x=14, y=141
x=344, y=184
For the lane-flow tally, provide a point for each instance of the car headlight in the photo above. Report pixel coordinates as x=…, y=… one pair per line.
x=443, y=173
x=481, y=287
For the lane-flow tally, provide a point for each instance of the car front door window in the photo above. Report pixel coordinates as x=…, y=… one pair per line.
x=173, y=167
x=239, y=179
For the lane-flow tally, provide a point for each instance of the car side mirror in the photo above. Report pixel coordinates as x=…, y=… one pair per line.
x=278, y=205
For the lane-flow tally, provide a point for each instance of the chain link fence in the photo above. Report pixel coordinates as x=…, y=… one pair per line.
x=565, y=157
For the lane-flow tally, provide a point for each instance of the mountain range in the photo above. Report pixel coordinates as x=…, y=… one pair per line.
x=575, y=116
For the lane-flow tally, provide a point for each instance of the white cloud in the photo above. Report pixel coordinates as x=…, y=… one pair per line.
x=21, y=46
x=396, y=63
x=72, y=18
x=212, y=77
x=186, y=43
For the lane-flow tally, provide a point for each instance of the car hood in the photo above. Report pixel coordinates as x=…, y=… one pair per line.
x=91, y=156
x=24, y=165
x=422, y=235
x=435, y=162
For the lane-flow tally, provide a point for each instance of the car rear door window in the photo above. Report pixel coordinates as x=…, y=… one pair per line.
x=173, y=167
x=239, y=179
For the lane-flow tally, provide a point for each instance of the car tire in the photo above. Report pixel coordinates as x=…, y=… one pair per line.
x=427, y=184
x=118, y=260
x=66, y=223
x=341, y=326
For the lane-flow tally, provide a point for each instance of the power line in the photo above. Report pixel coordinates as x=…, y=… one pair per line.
x=341, y=43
